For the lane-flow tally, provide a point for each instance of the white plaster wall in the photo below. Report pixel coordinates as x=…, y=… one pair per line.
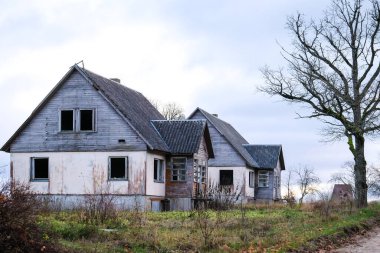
x=277, y=171
x=153, y=188
x=241, y=178
x=249, y=191
x=82, y=172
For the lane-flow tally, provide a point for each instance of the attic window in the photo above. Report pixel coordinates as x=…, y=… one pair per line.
x=226, y=177
x=118, y=168
x=67, y=120
x=40, y=169
x=87, y=122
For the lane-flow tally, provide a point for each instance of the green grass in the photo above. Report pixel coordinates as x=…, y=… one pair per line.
x=276, y=229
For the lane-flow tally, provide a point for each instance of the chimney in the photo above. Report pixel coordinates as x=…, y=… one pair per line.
x=215, y=115
x=115, y=80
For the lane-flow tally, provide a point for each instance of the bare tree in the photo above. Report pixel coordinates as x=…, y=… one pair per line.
x=334, y=69
x=170, y=111
x=348, y=177
x=290, y=196
x=306, y=180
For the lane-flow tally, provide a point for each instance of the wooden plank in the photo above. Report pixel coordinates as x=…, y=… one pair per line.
x=42, y=134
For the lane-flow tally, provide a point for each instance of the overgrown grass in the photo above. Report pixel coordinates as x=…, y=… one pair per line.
x=251, y=228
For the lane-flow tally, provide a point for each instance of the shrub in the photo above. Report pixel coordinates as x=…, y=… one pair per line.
x=19, y=231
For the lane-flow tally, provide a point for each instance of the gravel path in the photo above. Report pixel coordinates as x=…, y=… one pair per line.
x=369, y=243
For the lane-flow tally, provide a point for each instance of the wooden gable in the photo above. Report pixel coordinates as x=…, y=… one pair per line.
x=41, y=132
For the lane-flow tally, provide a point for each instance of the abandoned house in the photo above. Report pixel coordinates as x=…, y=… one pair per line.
x=254, y=170
x=92, y=135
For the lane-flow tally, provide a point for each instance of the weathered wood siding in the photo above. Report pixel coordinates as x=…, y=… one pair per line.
x=225, y=154
x=42, y=134
x=182, y=189
x=202, y=157
x=264, y=193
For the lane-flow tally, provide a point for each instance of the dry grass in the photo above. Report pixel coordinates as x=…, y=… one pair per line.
x=253, y=228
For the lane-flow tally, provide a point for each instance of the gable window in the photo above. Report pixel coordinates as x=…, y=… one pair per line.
x=118, y=168
x=86, y=120
x=226, y=177
x=263, y=178
x=251, y=179
x=67, y=120
x=159, y=170
x=40, y=169
x=178, y=169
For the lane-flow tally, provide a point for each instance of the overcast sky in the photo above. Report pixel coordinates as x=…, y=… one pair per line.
x=196, y=53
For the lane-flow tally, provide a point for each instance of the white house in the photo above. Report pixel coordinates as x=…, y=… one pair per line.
x=92, y=135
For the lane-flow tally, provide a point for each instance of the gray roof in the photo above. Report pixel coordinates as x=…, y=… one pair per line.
x=183, y=136
x=267, y=156
x=133, y=105
x=232, y=136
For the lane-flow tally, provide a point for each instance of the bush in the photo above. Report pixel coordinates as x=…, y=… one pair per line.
x=19, y=231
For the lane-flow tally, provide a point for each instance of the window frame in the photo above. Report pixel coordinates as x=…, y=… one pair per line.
x=260, y=177
x=162, y=169
x=79, y=121
x=60, y=120
x=126, y=161
x=178, y=175
x=220, y=181
x=251, y=179
x=33, y=169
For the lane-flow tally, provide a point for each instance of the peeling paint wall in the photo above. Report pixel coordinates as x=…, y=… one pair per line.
x=154, y=188
x=240, y=180
x=82, y=172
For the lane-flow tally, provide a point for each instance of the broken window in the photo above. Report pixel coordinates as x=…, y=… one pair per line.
x=251, y=179
x=40, y=169
x=67, y=120
x=263, y=178
x=179, y=169
x=158, y=170
x=203, y=173
x=118, y=168
x=87, y=122
x=226, y=177
x=199, y=171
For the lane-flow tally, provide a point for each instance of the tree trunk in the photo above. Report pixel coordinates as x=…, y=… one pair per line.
x=360, y=173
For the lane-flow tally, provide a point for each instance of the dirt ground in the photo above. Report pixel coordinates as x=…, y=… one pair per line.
x=360, y=244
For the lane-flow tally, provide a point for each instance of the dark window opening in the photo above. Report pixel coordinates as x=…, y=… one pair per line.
x=158, y=170
x=251, y=179
x=67, y=120
x=87, y=120
x=40, y=168
x=118, y=168
x=226, y=177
